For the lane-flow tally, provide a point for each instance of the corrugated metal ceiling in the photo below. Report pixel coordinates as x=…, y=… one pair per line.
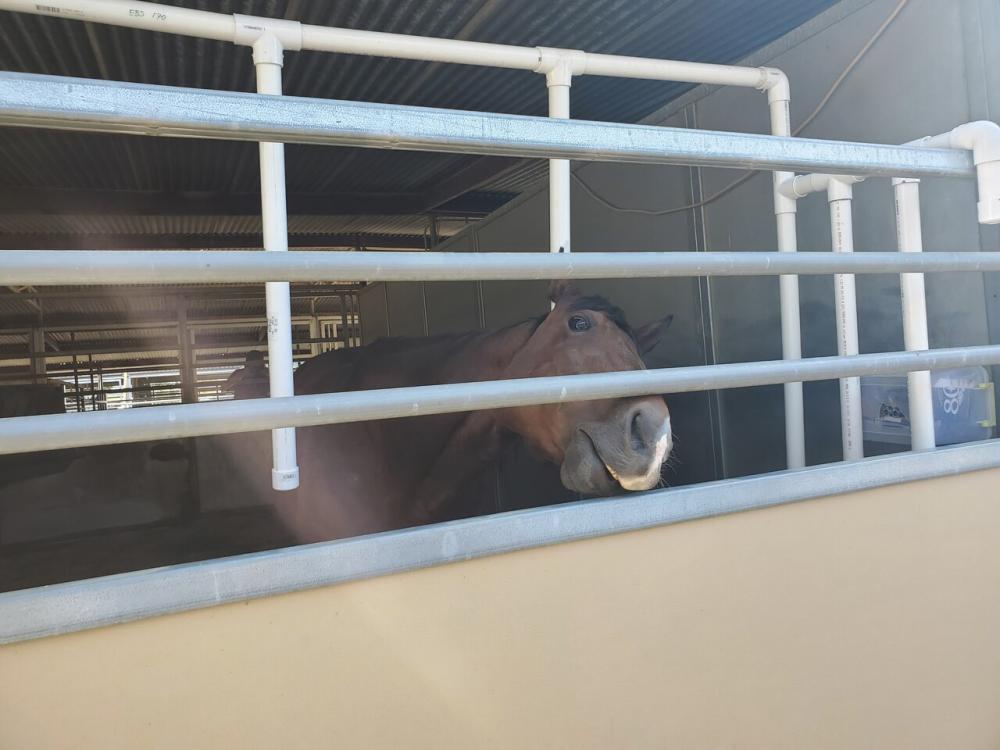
x=705, y=30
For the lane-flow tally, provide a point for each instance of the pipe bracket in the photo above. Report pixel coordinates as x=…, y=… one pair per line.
x=251, y=29
x=560, y=65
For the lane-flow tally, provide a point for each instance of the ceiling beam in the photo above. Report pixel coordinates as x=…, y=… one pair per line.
x=62, y=241
x=17, y=200
x=191, y=294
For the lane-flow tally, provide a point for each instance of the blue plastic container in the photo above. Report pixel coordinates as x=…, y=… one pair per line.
x=964, y=407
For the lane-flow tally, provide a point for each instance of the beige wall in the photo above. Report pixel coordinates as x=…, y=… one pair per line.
x=866, y=620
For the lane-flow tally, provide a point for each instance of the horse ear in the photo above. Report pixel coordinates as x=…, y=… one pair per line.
x=559, y=288
x=647, y=336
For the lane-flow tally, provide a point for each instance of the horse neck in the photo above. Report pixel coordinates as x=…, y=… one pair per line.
x=486, y=356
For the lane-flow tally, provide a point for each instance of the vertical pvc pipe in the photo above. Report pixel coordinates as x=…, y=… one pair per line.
x=559, y=178
x=842, y=231
x=267, y=55
x=911, y=287
x=788, y=290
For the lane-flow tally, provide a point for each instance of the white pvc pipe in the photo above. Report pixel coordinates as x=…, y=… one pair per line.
x=788, y=289
x=284, y=471
x=407, y=47
x=136, y=15
x=911, y=287
x=842, y=233
x=982, y=138
x=559, y=173
x=620, y=66
x=245, y=30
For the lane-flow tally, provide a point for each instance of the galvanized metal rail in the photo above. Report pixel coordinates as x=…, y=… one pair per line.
x=74, y=267
x=49, y=432
x=69, y=607
x=29, y=100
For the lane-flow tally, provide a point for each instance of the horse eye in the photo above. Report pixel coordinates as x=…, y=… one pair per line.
x=579, y=323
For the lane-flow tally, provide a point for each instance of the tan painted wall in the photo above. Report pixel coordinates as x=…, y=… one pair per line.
x=864, y=621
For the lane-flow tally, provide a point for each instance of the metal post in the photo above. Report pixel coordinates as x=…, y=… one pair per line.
x=189, y=388
x=342, y=332
x=93, y=392
x=914, y=300
x=839, y=194
x=435, y=237
x=103, y=402
x=36, y=342
x=267, y=57
x=354, y=319
x=315, y=348
x=76, y=375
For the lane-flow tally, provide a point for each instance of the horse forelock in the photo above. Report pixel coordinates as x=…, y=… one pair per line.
x=595, y=303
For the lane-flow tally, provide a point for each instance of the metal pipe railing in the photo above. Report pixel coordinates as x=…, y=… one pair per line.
x=50, y=432
x=29, y=100
x=98, y=602
x=559, y=67
x=269, y=37
x=73, y=267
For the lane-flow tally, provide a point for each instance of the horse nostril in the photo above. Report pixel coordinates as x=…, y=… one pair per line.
x=636, y=439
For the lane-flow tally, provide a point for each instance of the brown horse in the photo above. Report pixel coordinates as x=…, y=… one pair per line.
x=363, y=477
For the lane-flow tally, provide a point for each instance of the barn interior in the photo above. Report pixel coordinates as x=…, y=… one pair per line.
x=74, y=514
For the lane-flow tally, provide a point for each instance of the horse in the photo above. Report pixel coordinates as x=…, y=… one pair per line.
x=372, y=476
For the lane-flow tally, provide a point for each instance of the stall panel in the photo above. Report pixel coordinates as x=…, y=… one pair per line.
x=862, y=620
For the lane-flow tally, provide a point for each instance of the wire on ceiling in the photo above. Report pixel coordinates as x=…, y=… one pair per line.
x=747, y=175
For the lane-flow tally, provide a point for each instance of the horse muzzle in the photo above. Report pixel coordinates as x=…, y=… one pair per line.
x=626, y=451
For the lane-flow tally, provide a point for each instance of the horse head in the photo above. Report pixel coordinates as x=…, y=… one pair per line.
x=601, y=446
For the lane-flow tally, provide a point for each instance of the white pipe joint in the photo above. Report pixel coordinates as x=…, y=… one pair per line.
x=841, y=188
x=779, y=95
x=269, y=37
x=560, y=65
x=982, y=138
x=837, y=187
x=775, y=83
x=783, y=204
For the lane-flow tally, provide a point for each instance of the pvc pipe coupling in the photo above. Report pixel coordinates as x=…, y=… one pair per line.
x=775, y=83
x=269, y=37
x=560, y=65
x=837, y=187
x=982, y=138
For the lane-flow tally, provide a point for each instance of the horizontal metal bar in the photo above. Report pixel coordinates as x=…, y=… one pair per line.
x=70, y=607
x=50, y=432
x=113, y=107
x=75, y=267
x=214, y=347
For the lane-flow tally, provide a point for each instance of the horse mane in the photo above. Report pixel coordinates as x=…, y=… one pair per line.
x=336, y=370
